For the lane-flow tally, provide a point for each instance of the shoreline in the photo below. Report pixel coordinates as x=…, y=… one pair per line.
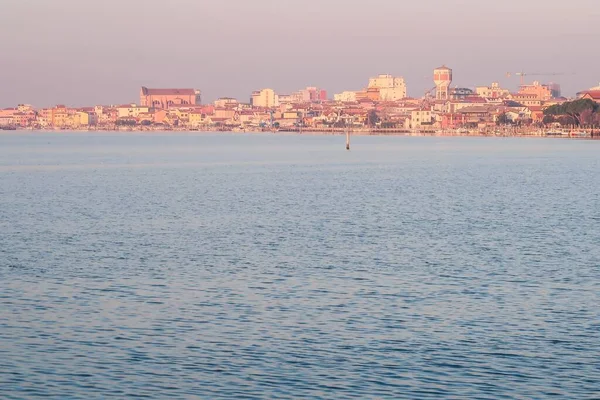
x=580, y=134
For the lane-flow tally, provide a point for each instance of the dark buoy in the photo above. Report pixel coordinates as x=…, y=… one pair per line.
x=347, y=140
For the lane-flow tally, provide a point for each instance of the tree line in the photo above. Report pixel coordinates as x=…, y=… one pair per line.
x=578, y=112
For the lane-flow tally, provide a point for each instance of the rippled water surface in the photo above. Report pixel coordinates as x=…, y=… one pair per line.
x=265, y=266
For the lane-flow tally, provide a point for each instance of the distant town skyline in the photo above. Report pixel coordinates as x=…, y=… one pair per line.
x=80, y=53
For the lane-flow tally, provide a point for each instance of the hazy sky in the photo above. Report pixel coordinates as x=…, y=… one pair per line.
x=83, y=52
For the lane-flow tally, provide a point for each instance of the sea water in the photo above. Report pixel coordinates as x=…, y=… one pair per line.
x=261, y=266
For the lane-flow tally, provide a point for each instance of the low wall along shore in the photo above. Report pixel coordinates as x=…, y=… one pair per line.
x=583, y=133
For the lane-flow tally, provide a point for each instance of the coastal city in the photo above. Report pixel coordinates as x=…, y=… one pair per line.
x=299, y=199
x=381, y=107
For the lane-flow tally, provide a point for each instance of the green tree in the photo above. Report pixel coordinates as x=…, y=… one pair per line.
x=503, y=119
x=566, y=120
x=573, y=109
x=372, y=118
x=548, y=119
x=126, y=122
x=596, y=119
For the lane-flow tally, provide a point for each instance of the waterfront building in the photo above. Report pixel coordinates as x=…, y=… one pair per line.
x=542, y=92
x=592, y=94
x=225, y=102
x=7, y=116
x=310, y=95
x=535, y=113
x=477, y=116
x=364, y=101
x=44, y=117
x=392, y=94
x=345, y=97
x=420, y=118
x=373, y=94
x=131, y=110
x=287, y=99
x=7, y=120
x=8, y=111
x=386, y=88
x=106, y=115
x=23, y=119
x=453, y=106
x=246, y=117
x=198, y=118
x=160, y=116
x=265, y=98
x=167, y=98
x=494, y=91
x=60, y=117
x=460, y=93
x=82, y=118
x=526, y=99
x=145, y=118
x=225, y=113
x=92, y=117
x=181, y=114
x=17, y=116
x=25, y=108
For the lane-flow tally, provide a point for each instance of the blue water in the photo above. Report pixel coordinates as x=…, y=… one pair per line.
x=204, y=266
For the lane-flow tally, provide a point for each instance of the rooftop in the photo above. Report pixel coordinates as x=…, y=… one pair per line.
x=475, y=109
x=594, y=94
x=167, y=92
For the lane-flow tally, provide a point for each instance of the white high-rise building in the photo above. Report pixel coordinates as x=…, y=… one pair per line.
x=391, y=88
x=266, y=98
x=345, y=97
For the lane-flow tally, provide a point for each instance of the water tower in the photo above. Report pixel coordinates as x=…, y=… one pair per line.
x=442, y=77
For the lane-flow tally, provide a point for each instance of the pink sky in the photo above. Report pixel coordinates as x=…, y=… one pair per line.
x=81, y=52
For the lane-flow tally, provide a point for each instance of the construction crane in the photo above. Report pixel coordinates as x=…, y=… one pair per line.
x=524, y=74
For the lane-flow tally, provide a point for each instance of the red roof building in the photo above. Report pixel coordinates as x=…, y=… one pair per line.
x=590, y=94
x=167, y=98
